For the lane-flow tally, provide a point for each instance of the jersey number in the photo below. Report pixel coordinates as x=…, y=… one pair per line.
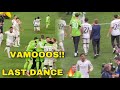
x=116, y=26
x=86, y=29
x=61, y=26
x=75, y=25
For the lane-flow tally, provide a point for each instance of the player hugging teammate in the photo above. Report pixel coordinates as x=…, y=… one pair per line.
x=41, y=45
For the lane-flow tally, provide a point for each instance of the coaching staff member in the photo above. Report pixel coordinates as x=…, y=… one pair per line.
x=95, y=36
x=75, y=25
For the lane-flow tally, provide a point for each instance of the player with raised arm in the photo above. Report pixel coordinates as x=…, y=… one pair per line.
x=82, y=17
x=84, y=66
x=86, y=29
x=75, y=25
x=115, y=32
x=47, y=21
x=62, y=33
x=9, y=40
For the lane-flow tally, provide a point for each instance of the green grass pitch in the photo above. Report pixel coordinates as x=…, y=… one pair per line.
x=28, y=34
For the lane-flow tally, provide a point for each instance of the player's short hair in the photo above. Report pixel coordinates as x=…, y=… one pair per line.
x=116, y=16
x=86, y=19
x=17, y=18
x=48, y=15
x=42, y=36
x=96, y=21
x=82, y=54
x=73, y=64
x=35, y=38
x=47, y=37
x=77, y=14
x=38, y=17
x=10, y=27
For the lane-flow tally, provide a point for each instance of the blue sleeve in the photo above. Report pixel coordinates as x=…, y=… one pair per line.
x=118, y=72
x=106, y=75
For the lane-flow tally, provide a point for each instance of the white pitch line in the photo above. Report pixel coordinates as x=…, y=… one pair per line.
x=105, y=24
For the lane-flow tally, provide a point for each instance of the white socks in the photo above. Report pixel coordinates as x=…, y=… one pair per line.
x=18, y=42
x=85, y=48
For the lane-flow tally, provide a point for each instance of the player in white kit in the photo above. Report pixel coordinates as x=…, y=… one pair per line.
x=62, y=33
x=115, y=32
x=16, y=30
x=86, y=29
x=35, y=24
x=1, y=37
x=9, y=40
x=14, y=19
x=38, y=23
x=84, y=66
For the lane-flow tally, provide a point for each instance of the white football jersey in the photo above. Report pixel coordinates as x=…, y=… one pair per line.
x=16, y=26
x=115, y=24
x=86, y=30
x=34, y=23
x=38, y=22
x=13, y=21
x=61, y=25
x=83, y=67
x=10, y=36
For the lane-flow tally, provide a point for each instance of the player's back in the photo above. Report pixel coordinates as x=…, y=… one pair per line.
x=115, y=24
x=96, y=31
x=86, y=30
